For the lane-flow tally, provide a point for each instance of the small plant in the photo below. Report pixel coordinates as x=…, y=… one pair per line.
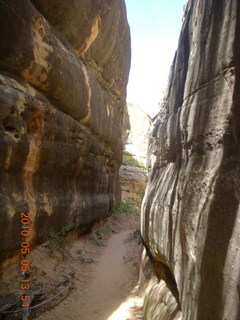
x=98, y=242
x=81, y=253
x=103, y=230
x=65, y=230
x=129, y=160
x=59, y=240
x=122, y=208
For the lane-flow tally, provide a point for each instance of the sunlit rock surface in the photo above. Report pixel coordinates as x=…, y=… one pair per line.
x=64, y=69
x=133, y=173
x=137, y=132
x=133, y=181
x=190, y=215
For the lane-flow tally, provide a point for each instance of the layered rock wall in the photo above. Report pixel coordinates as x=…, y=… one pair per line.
x=133, y=173
x=190, y=215
x=133, y=181
x=63, y=73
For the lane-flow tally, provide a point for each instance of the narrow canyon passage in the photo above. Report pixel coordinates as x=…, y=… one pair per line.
x=112, y=281
x=97, y=162
x=107, y=288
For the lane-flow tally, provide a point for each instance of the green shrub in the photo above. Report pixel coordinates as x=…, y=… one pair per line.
x=122, y=208
x=103, y=230
x=98, y=242
x=129, y=160
x=59, y=240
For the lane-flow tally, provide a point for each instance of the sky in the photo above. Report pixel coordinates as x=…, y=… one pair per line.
x=155, y=27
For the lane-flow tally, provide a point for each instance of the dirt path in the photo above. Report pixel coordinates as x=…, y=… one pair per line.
x=103, y=267
x=104, y=289
x=110, y=285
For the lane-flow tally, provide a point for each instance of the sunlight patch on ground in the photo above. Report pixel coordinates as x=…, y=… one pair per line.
x=128, y=310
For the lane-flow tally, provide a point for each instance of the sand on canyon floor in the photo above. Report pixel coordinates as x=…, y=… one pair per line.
x=102, y=269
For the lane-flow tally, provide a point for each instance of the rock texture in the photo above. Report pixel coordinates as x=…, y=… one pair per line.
x=133, y=173
x=159, y=301
x=133, y=181
x=190, y=215
x=64, y=69
x=138, y=132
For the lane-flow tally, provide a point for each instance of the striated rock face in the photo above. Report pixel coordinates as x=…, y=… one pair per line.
x=190, y=215
x=64, y=69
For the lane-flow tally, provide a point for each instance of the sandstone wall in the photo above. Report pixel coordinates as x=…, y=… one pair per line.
x=190, y=215
x=138, y=133
x=133, y=173
x=63, y=72
x=133, y=181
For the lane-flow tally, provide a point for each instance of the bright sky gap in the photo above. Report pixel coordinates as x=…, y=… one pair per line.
x=155, y=27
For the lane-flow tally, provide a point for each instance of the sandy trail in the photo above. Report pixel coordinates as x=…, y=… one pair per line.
x=103, y=289
x=110, y=285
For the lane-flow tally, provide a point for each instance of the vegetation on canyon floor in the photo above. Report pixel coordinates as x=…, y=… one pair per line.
x=60, y=240
x=123, y=208
x=129, y=160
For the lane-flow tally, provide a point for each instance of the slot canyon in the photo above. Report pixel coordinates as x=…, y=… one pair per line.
x=108, y=213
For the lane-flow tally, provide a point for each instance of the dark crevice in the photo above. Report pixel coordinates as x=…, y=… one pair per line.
x=7, y=124
x=163, y=272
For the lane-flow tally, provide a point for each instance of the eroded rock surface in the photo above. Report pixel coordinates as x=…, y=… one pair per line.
x=64, y=69
x=137, y=132
x=133, y=181
x=133, y=173
x=190, y=216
